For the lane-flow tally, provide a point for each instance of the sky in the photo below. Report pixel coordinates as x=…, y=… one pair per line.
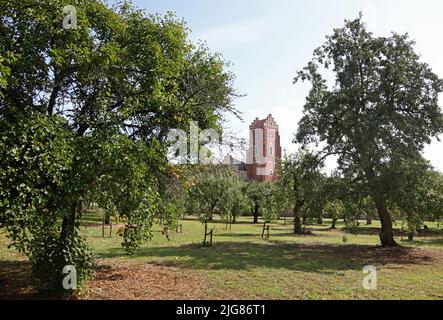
x=268, y=41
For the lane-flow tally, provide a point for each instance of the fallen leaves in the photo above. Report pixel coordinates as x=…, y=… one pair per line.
x=129, y=280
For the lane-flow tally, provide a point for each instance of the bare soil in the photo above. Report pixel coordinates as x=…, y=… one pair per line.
x=130, y=280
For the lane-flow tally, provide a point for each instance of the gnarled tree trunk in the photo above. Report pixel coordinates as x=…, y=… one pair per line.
x=386, y=233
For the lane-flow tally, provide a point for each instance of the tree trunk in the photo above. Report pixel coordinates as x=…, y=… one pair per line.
x=107, y=219
x=68, y=223
x=256, y=210
x=304, y=220
x=334, y=222
x=320, y=220
x=67, y=232
x=368, y=220
x=206, y=232
x=386, y=233
x=297, y=219
x=234, y=218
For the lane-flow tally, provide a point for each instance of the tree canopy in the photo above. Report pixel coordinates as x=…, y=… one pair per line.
x=378, y=115
x=85, y=114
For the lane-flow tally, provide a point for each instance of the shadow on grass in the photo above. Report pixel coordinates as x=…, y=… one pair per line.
x=374, y=231
x=325, y=258
x=307, y=234
x=223, y=222
x=15, y=281
x=438, y=242
x=228, y=234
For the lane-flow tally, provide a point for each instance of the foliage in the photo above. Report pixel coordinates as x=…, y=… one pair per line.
x=421, y=196
x=36, y=152
x=300, y=184
x=381, y=111
x=172, y=203
x=234, y=202
x=257, y=193
x=271, y=206
x=5, y=70
x=335, y=209
x=85, y=114
x=210, y=191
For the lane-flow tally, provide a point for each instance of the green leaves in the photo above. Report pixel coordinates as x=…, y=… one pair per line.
x=84, y=116
x=5, y=70
x=381, y=111
x=125, y=185
x=209, y=186
x=381, y=87
x=36, y=158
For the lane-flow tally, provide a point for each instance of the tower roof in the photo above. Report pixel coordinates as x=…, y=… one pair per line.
x=268, y=122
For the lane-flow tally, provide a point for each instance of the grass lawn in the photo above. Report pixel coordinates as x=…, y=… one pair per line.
x=241, y=265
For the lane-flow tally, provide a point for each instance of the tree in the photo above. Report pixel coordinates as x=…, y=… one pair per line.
x=433, y=195
x=420, y=196
x=299, y=177
x=381, y=111
x=85, y=113
x=256, y=192
x=335, y=209
x=271, y=206
x=316, y=198
x=36, y=153
x=234, y=201
x=208, y=192
x=368, y=208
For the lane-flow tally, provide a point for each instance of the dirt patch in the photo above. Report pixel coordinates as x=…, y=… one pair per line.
x=15, y=281
x=129, y=280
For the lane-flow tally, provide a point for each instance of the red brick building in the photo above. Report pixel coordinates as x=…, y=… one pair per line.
x=264, y=151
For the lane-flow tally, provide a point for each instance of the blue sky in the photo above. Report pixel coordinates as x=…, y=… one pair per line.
x=268, y=41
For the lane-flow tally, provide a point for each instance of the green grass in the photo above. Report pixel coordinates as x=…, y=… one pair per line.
x=241, y=265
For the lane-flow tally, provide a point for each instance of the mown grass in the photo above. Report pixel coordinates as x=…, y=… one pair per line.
x=242, y=265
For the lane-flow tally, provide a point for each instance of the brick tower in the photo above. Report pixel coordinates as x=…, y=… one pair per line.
x=264, y=150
